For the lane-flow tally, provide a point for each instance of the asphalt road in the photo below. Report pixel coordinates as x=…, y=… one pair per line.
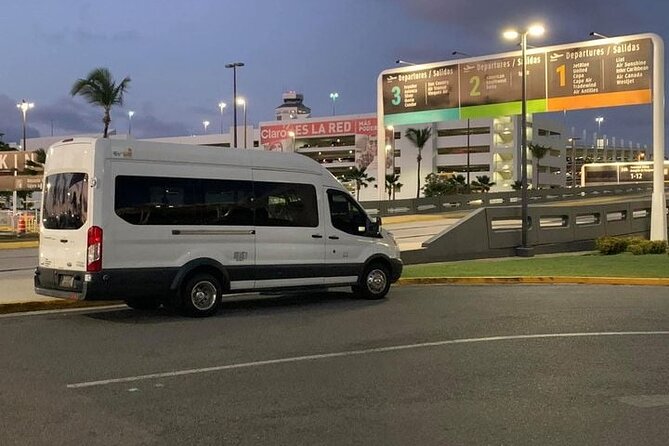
x=15, y=260
x=431, y=365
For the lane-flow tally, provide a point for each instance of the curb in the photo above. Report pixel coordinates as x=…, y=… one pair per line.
x=19, y=244
x=56, y=304
x=546, y=280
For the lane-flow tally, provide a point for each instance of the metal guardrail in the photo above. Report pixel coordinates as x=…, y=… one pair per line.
x=456, y=202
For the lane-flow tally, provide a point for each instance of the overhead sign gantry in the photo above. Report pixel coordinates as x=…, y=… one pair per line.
x=611, y=72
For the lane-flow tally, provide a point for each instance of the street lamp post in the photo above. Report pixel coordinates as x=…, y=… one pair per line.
x=599, y=120
x=524, y=250
x=234, y=66
x=131, y=113
x=334, y=95
x=242, y=101
x=292, y=138
x=24, y=107
x=573, y=160
x=205, y=124
x=222, y=106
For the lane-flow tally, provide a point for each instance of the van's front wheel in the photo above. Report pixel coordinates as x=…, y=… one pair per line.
x=201, y=295
x=373, y=283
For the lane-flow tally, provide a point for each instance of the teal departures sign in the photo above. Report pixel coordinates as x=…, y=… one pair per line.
x=433, y=92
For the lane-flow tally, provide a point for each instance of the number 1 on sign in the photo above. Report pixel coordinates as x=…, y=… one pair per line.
x=562, y=72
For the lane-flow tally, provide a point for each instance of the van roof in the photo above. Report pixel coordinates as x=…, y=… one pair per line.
x=187, y=153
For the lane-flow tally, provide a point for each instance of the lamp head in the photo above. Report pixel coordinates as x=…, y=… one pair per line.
x=241, y=101
x=536, y=30
x=510, y=34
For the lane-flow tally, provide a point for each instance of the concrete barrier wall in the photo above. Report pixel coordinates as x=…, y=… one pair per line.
x=496, y=231
x=454, y=202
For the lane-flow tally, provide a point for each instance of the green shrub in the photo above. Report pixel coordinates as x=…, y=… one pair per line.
x=640, y=246
x=637, y=249
x=657, y=247
x=608, y=245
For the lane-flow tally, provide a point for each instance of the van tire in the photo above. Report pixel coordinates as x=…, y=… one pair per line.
x=374, y=282
x=146, y=303
x=201, y=295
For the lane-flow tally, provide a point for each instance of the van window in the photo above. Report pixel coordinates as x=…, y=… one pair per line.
x=156, y=201
x=192, y=201
x=285, y=204
x=65, y=201
x=345, y=214
x=227, y=202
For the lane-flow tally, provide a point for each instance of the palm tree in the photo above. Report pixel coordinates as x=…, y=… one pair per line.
x=483, y=183
x=392, y=184
x=538, y=152
x=419, y=137
x=37, y=166
x=459, y=183
x=99, y=88
x=360, y=177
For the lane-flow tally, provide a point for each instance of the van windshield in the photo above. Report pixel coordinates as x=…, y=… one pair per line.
x=65, y=201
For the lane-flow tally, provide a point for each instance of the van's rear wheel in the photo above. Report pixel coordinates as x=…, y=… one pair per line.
x=201, y=295
x=373, y=283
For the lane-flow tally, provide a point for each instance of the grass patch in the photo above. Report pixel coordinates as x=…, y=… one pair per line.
x=579, y=265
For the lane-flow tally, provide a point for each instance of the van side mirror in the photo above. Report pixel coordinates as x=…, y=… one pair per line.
x=374, y=226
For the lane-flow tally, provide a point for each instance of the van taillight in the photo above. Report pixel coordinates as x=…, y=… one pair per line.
x=94, y=257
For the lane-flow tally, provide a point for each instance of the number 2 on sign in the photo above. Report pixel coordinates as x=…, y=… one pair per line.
x=475, y=82
x=562, y=71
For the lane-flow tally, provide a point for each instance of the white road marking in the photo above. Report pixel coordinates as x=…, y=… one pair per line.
x=645, y=400
x=242, y=365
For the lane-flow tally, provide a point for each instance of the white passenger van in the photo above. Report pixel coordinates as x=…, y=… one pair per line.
x=155, y=223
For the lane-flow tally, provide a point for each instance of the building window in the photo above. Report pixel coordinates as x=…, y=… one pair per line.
x=462, y=150
x=463, y=168
x=463, y=131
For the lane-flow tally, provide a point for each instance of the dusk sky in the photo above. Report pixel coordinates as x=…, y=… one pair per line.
x=175, y=53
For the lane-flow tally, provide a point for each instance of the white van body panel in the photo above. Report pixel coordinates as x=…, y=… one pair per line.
x=142, y=253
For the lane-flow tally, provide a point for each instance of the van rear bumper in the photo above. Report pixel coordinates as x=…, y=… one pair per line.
x=103, y=285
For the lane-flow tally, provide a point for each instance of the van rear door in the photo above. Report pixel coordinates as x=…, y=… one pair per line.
x=63, y=242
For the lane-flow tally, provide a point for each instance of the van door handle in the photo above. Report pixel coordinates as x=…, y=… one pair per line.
x=316, y=236
x=333, y=237
x=63, y=240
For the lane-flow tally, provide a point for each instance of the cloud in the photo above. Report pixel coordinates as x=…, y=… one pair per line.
x=69, y=116
x=83, y=35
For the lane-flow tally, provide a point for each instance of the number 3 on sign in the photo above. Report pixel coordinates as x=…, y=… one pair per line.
x=397, y=96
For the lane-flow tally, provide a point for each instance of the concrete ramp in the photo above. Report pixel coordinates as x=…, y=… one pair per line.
x=411, y=231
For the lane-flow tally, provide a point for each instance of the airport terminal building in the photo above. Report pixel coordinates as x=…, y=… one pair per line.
x=476, y=146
